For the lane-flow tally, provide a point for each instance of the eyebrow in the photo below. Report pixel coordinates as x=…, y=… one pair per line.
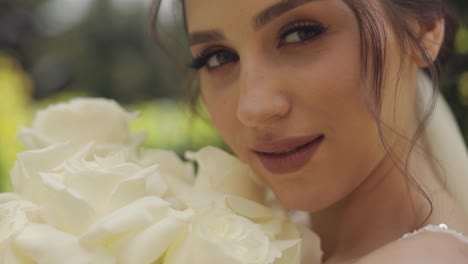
x=205, y=36
x=258, y=21
x=276, y=11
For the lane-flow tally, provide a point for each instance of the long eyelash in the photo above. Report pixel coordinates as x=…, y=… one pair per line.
x=301, y=26
x=200, y=61
x=197, y=63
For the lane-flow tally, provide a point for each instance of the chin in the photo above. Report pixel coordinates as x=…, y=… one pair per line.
x=304, y=201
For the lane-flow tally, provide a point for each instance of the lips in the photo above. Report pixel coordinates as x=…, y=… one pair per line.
x=287, y=155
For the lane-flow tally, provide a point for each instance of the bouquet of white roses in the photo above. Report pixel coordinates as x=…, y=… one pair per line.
x=85, y=191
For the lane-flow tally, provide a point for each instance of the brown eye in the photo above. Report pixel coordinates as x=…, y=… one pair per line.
x=220, y=58
x=214, y=59
x=301, y=33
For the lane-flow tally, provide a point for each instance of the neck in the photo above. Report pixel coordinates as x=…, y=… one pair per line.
x=367, y=218
x=382, y=209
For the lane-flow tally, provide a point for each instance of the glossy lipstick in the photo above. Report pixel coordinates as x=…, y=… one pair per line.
x=288, y=155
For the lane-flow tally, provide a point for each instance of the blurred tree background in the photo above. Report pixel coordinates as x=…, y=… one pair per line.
x=53, y=50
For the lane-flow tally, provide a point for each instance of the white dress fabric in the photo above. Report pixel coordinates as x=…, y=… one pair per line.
x=446, y=144
x=442, y=228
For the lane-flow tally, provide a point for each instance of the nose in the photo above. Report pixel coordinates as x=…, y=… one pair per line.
x=262, y=99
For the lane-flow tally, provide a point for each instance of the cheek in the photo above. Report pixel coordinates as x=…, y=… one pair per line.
x=334, y=94
x=339, y=100
x=221, y=104
x=328, y=99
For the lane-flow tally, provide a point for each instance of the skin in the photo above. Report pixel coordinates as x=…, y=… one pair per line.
x=282, y=88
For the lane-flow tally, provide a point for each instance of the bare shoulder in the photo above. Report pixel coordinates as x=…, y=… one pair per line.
x=425, y=247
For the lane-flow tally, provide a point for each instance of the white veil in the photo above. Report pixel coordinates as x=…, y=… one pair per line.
x=445, y=142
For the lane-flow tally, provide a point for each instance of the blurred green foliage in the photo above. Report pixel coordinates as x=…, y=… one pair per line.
x=53, y=50
x=14, y=89
x=455, y=82
x=168, y=124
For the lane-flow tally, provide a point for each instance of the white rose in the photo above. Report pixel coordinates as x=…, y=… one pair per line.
x=86, y=193
x=13, y=219
x=220, y=236
x=220, y=172
x=140, y=232
x=92, y=204
x=43, y=244
x=179, y=175
x=234, y=230
x=81, y=121
x=23, y=241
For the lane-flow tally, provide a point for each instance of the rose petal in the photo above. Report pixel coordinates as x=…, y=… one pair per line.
x=220, y=172
x=32, y=139
x=149, y=245
x=135, y=187
x=290, y=252
x=12, y=219
x=169, y=164
x=135, y=216
x=191, y=249
x=25, y=177
x=95, y=187
x=156, y=185
x=234, y=235
x=65, y=209
x=249, y=209
x=311, y=250
x=7, y=197
x=85, y=120
x=46, y=245
x=8, y=256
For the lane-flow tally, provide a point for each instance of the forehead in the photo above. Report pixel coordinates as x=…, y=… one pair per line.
x=207, y=14
x=202, y=14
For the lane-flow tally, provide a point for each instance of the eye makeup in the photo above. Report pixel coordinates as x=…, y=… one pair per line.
x=222, y=54
x=300, y=31
x=293, y=33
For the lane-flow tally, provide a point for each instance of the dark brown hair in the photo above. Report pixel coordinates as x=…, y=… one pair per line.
x=373, y=46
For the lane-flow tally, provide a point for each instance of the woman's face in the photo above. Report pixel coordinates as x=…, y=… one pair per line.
x=282, y=82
